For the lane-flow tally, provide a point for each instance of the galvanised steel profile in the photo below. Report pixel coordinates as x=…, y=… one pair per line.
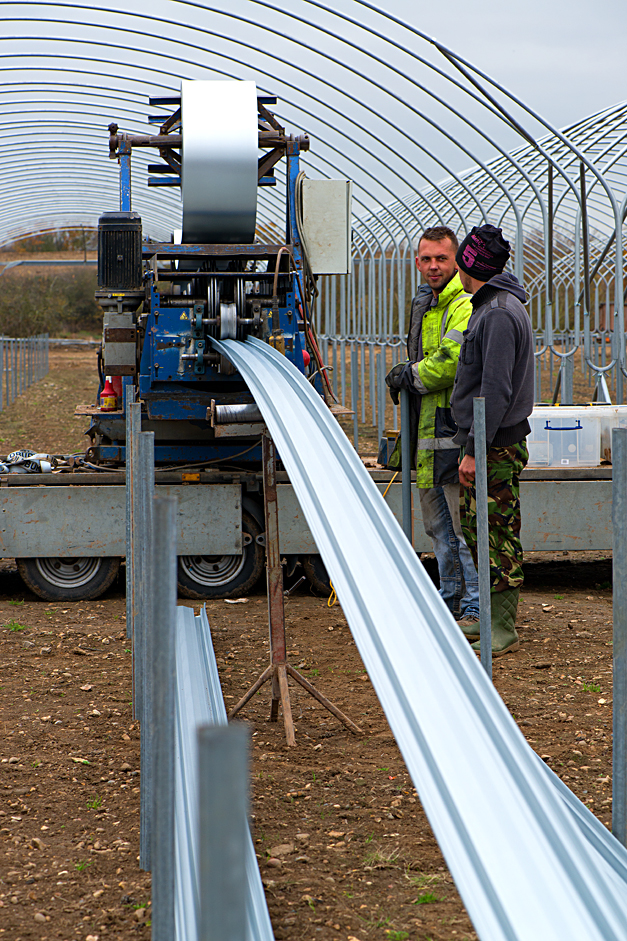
x=529, y=860
x=199, y=702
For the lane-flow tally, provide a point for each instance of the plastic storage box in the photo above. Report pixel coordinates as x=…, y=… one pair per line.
x=565, y=436
x=611, y=416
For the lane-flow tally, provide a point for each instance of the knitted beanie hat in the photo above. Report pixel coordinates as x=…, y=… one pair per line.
x=483, y=253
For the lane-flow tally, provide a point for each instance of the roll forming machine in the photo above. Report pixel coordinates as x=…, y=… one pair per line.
x=164, y=302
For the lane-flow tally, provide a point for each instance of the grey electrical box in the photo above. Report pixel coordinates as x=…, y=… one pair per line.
x=327, y=225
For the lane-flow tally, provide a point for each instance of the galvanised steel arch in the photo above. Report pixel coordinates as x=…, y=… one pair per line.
x=384, y=104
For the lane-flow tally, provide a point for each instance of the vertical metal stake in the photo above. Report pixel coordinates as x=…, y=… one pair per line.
x=146, y=653
x=129, y=399
x=223, y=776
x=619, y=646
x=355, y=396
x=380, y=380
x=483, y=545
x=408, y=528
x=133, y=616
x=162, y=724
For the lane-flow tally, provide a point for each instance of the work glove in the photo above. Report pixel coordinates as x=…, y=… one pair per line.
x=400, y=377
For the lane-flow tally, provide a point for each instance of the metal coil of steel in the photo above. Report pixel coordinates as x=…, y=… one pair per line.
x=219, y=161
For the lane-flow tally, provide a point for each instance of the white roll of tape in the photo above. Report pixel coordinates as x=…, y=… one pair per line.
x=220, y=151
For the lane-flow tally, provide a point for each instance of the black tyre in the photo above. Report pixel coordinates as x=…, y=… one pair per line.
x=317, y=575
x=221, y=576
x=76, y=579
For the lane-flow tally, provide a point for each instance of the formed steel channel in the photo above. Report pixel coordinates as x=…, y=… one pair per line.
x=199, y=701
x=489, y=798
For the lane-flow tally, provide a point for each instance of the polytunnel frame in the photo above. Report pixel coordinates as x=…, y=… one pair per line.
x=494, y=106
x=132, y=14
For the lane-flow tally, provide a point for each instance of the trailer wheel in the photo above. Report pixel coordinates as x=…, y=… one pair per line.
x=317, y=575
x=76, y=579
x=220, y=576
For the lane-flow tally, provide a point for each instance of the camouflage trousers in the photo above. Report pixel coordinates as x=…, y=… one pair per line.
x=506, y=555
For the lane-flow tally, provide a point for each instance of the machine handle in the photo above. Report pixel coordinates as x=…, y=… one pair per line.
x=577, y=427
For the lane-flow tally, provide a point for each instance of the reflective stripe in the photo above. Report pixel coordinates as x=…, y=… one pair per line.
x=418, y=383
x=437, y=444
x=452, y=334
x=444, y=319
x=456, y=335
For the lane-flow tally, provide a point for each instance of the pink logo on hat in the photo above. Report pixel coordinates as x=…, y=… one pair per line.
x=468, y=255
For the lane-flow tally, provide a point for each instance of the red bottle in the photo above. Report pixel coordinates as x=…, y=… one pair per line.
x=108, y=399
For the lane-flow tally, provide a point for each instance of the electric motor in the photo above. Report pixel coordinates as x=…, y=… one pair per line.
x=120, y=261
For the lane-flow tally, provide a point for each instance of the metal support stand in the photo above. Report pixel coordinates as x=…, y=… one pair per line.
x=483, y=543
x=619, y=645
x=279, y=668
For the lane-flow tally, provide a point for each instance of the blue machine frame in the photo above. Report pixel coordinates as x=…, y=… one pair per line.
x=177, y=375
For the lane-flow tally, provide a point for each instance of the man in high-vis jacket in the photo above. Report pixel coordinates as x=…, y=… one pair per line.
x=439, y=315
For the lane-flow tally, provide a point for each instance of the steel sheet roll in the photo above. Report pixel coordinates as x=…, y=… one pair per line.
x=220, y=149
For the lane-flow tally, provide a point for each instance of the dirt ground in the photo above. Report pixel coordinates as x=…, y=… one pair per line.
x=344, y=847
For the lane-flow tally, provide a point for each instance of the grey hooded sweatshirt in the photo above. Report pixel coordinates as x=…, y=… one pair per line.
x=496, y=361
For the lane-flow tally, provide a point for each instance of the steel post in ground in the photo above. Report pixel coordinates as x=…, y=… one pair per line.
x=129, y=398
x=163, y=669
x=408, y=527
x=355, y=396
x=144, y=595
x=223, y=776
x=133, y=430
x=619, y=645
x=380, y=387
x=483, y=544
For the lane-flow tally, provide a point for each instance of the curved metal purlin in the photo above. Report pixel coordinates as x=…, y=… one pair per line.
x=385, y=104
x=544, y=867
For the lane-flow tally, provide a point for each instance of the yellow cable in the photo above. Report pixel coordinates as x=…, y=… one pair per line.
x=385, y=492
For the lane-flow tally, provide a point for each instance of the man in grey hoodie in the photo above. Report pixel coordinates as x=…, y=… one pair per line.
x=496, y=361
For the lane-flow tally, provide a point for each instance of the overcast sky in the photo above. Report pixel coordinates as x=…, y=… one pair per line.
x=358, y=97
x=566, y=58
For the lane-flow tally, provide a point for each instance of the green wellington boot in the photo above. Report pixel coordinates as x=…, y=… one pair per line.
x=503, y=607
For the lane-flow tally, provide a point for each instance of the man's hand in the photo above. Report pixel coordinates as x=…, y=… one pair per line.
x=399, y=377
x=467, y=471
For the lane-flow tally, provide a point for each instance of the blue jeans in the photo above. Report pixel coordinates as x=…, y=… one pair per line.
x=459, y=584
